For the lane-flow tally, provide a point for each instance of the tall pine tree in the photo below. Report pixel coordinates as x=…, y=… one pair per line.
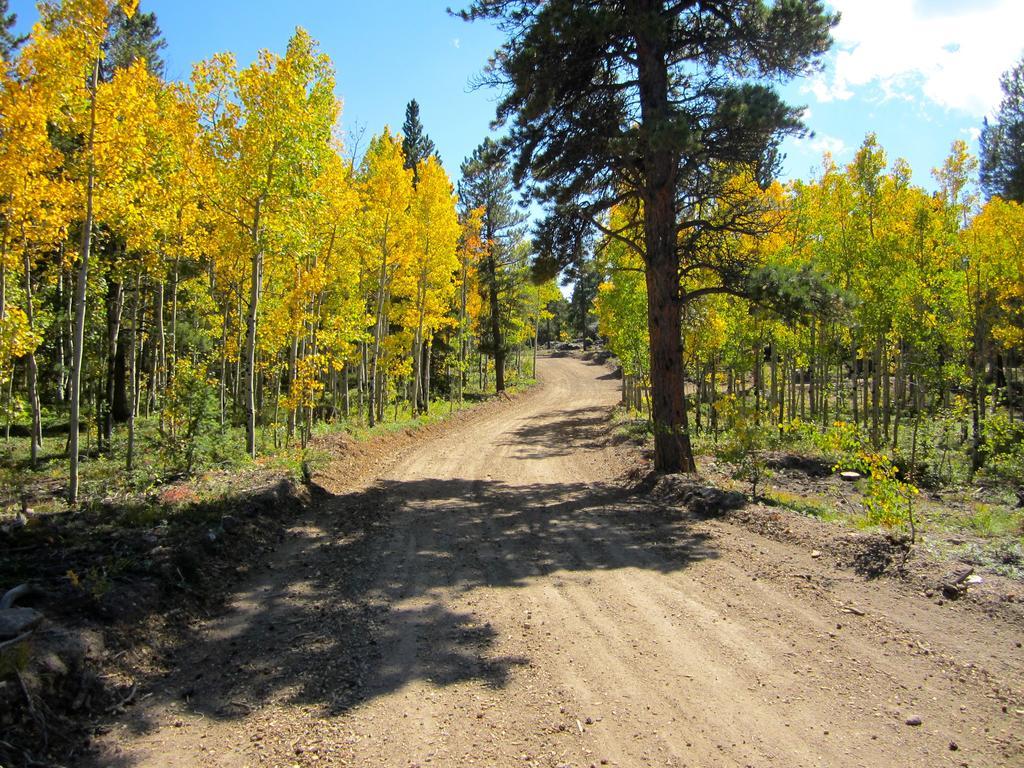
x=130, y=38
x=9, y=42
x=657, y=103
x=487, y=185
x=416, y=144
x=1002, y=141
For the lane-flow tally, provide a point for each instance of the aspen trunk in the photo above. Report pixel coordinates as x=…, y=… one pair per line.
x=346, y=395
x=426, y=376
x=133, y=375
x=378, y=333
x=35, y=437
x=174, y=318
x=224, y=370
x=854, y=394
x=78, y=339
x=256, y=278
x=115, y=304
x=293, y=354
x=160, y=369
x=876, y=392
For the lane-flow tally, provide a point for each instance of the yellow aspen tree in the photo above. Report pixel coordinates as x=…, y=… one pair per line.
x=538, y=298
x=621, y=304
x=471, y=250
x=994, y=286
x=432, y=267
x=385, y=189
x=160, y=215
x=36, y=201
x=62, y=59
x=130, y=156
x=267, y=130
x=339, y=317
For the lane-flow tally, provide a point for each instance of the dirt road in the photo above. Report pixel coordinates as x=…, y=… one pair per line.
x=496, y=599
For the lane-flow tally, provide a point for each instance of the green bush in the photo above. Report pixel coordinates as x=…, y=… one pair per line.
x=1004, y=449
x=189, y=415
x=746, y=441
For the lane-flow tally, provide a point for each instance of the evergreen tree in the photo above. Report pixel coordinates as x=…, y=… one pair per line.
x=416, y=144
x=653, y=102
x=487, y=185
x=130, y=38
x=9, y=42
x=1002, y=141
x=584, y=292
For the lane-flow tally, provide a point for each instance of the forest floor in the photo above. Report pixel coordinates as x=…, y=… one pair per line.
x=498, y=593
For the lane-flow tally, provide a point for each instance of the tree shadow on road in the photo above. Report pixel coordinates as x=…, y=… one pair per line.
x=560, y=433
x=351, y=608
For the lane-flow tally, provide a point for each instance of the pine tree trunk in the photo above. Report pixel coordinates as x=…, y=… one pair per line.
x=673, y=452
x=672, y=448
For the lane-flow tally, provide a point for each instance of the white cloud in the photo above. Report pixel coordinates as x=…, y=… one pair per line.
x=951, y=52
x=456, y=42
x=973, y=133
x=825, y=91
x=821, y=143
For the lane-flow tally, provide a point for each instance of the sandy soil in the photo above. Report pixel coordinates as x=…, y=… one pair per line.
x=497, y=597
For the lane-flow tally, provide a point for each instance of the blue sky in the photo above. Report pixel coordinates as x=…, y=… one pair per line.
x=385, y=52
x=920, y=73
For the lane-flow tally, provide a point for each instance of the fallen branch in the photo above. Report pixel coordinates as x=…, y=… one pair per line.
x=12, y=596
x=125, y=700
x=14, y=641
x=40, y=721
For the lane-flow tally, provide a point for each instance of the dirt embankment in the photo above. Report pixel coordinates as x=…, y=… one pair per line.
x=498, y=596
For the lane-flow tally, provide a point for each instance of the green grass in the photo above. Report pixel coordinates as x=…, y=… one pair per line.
x=804, y=505
x=631, y=425
x=993, y=521
x=221, y=457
